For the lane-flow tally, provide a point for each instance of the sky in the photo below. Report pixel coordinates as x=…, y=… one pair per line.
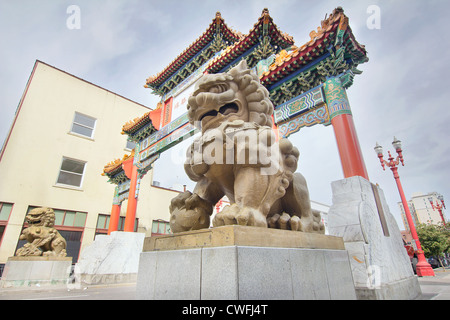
x=402, y=91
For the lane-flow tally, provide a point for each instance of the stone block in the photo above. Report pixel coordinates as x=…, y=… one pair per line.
x=344, y=214
x=264, y=273
x=16, y=270
x=146, y=276
x=31, y=271
x=245, y=273
x=41, y=270
x=59, y=269
x=305, y=266
x=358, y=262
x=348, y=232
x=219, y=263
x=379, y=261
x=182, y=267
x=340, y=283
x=159, y=270
x=110, y=259
x=240, y=272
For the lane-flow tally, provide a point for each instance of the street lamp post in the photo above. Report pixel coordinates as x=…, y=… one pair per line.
x=438, y=206
x=423, y=268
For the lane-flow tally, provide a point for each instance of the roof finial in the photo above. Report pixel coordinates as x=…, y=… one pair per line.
x=218, y=17
x=265, y=16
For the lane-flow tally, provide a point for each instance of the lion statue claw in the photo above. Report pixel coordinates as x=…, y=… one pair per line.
x=237, y=155
x=43, y=239
x=189, y=212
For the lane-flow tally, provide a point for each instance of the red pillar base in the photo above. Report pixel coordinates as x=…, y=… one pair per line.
x=424, y=269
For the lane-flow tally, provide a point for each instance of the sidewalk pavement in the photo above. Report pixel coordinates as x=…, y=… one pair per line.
x=433, y=288
x=437, y=287
x=123, y=291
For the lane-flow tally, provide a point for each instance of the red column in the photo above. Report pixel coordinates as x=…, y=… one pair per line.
x=348, y=146
x=132, y=174
x=114, y=218
x=344, y=129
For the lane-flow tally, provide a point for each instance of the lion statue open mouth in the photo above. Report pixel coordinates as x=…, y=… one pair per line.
x=237, y=155
x=43, y=239
x=236, y=95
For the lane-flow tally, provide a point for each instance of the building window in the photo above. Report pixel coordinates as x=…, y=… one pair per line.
x=5, y=210
x=160, y=227
x=67, y=218
x=83, y=125
x=103, y=224
x=70, y=218
x=71, y=172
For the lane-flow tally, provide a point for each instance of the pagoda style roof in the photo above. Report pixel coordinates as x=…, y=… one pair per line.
x=141, y=127
x=333, y=42
x=321, y=40
x=114, y=167
x=264, y=34
x=332, y=51
x=134, y=125
x=263, y=40
x=218, y=35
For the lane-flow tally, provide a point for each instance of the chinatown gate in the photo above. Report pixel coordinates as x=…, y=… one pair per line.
x=307, y=86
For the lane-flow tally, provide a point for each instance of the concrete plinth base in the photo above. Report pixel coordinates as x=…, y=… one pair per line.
x=110, y=259
x=404, y=289
x=380, y=265
x=208, y=268
x=36, y=271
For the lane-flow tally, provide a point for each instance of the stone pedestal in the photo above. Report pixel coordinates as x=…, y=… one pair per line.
x=110, y=259
x=36, y=271
x=237, y=262
x=380, y=265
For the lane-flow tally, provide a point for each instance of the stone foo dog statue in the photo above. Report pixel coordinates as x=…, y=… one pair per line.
x=237, y=156
x=43, y=239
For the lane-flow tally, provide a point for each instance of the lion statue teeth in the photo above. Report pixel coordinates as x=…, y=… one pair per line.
x=237, y=155
x=43, y=239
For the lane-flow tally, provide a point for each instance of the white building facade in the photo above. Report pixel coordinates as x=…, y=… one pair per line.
x=64, y=132
x=421, y=209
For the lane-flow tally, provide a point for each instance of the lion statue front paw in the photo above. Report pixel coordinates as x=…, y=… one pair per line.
x=189, y=212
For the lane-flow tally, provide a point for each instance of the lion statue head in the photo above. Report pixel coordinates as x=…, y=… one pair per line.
x=235, y=95
x=43, y=217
